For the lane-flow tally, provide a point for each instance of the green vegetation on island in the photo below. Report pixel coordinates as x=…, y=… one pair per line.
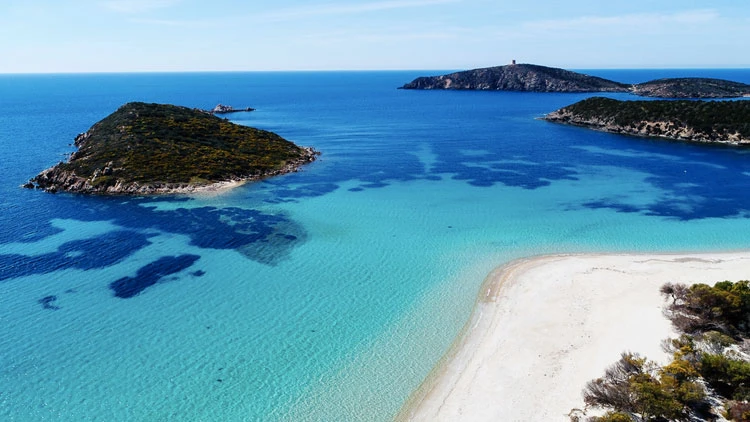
x=709, y=375
x=535, y=78
x=702, y=121
x=158, y=148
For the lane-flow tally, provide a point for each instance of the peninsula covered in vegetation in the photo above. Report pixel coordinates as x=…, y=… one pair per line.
x=158, y=148
x=535, y=78
x=726, y=122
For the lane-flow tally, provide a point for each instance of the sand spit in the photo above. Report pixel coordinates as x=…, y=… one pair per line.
x=542, y=327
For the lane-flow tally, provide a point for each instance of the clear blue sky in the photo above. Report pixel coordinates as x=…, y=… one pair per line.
x=200, y=35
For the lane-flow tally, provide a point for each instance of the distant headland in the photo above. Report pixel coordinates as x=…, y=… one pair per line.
x=143, y=149
x=535, y=78
x=725, y=122
x=518, y=77
x=691, y=88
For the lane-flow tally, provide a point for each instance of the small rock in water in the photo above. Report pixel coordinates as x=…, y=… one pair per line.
x=48, y=302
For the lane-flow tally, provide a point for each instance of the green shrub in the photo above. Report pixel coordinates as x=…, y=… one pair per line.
x=613, y=417
x=729, y=377
x=634, y=385
x=724, y=307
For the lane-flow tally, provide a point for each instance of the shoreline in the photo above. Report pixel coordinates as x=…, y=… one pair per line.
x=623, y=130
x=210, y=189
x=54, y=180
x=568, y=310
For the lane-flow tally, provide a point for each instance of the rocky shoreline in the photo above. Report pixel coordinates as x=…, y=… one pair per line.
x=55, y=180
x=661, y=128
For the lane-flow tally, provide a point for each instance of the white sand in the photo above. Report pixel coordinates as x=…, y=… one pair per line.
x=209, y=190
x=543, y=327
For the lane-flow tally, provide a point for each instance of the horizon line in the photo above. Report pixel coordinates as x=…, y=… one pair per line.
x=120, y=72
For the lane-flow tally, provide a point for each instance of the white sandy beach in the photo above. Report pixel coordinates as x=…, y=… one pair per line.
x=211, y=189
x=543, y=327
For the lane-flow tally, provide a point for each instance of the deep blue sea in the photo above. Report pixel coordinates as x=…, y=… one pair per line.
x=328, y=294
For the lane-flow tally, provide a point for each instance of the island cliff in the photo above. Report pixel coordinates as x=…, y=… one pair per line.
x=535, y=78
x=157, y=148
x=725, y=122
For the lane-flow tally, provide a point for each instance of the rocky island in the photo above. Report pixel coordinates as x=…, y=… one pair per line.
x=725, y=122
x=535, y=78
x=691, y=88
x=158, y=148
x=518, y=77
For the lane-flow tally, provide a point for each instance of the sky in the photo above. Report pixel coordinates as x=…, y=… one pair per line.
x=60, y=36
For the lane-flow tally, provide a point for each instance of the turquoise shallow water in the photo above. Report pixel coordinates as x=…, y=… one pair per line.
x=327, y=294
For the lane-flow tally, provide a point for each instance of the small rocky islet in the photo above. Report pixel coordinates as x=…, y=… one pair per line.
x=144, y=149
x=226, y=109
